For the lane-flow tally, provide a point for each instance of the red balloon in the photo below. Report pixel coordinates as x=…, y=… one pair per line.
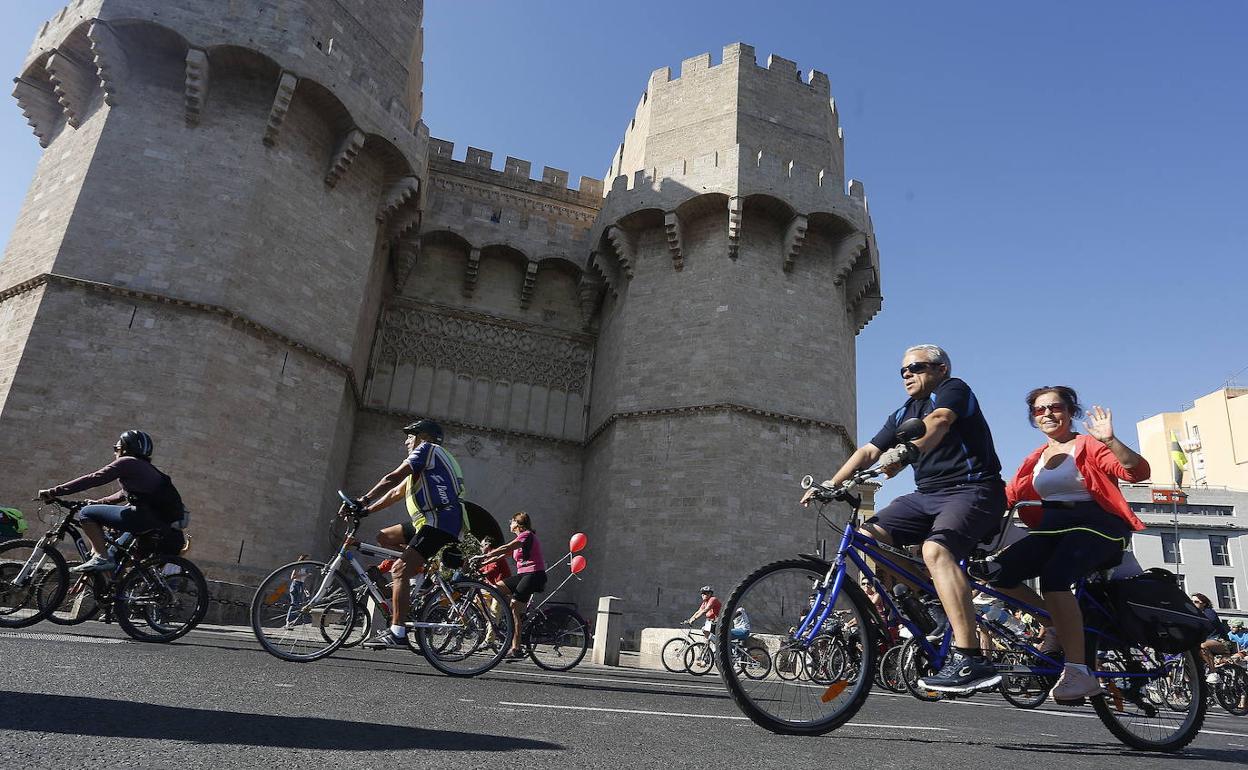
x=578, y=563
x=578, y=542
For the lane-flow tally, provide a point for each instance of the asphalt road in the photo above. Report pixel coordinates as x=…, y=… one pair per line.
x=86, y=697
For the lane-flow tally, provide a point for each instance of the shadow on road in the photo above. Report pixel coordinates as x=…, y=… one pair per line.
x=1107, y=749
x=75, y=715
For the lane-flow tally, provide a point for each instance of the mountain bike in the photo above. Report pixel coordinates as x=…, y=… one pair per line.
x=555, y=636
x=790, y=600
x=154, y=597
x=455, y=627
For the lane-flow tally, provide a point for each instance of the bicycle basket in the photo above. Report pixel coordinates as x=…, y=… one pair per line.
x=1152, y=609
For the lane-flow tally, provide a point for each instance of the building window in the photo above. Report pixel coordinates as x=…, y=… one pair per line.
x=1170, y=552
x=1219, y=550
x=1226, y=593
x=1186, y=510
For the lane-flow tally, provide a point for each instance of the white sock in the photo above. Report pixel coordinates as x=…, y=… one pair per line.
x=399, y=631
x=1080, y=667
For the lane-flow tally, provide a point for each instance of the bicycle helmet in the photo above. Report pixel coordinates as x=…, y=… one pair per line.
x=135, y=443
x=428, y=427
x=706, y=590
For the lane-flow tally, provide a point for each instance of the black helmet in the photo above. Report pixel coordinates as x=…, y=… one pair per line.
x=135, y=443
x=428, y=427
x=706, y=590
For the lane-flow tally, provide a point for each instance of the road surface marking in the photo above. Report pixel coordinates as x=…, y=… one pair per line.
x=60, y=638
x=646, y=712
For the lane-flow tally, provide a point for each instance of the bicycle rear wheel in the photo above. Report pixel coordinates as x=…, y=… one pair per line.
x=161, y=599
x=776, y=597
x=699, y=659
x=290, y=625
x=27, y=599
x=889, y=670
x=1136, y=707
x=468, y=639
x=673, y=655
x=558, y=640
x=1024, y=691
x=754, y=662
x=1232, y=689
x=914, y=666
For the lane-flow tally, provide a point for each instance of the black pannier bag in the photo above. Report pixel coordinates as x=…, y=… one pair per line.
x=1151, y=608
x=165, y=541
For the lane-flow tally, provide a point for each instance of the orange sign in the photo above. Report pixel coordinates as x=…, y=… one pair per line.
x=1169, y=496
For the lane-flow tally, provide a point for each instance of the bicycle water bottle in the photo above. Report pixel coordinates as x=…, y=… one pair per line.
x=913, y=608
x=997, y=613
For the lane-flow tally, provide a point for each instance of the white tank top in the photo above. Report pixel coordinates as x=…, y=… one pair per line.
x=1063, y=482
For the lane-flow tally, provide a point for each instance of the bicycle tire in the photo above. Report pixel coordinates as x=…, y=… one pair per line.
x=699, y=659
x=1027, y=691
x=775, y=596
x=1128, y=707
x=560, y=640
x=26, y=605
x=1231, y=690
x=284, y=627
x=81, y=601
x=889, y=670
x=673, y=655
x=464, y=651
x=915, y=666
x=761, y=663
x=359, y=626
x=169, y=604
x=790, y=664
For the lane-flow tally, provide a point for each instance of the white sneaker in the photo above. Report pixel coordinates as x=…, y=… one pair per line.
x=96, y=563
x=1074, y=685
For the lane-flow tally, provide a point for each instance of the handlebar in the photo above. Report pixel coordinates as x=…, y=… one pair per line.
x=842, y=491
x=355, y=507
x=69, y=505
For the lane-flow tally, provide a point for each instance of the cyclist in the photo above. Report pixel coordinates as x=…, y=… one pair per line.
x=147, y=499
x=530, y=577
x=741, y=625
x=958, y=503
x=433, y=487
x=1239, y=635
x=1218, y=641
x=1066, y=544
x=710, y=608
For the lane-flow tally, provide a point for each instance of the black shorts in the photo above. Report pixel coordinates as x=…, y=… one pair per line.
x=957, y=517
x=1067, y=544
x=427, y=540
x=523, y=587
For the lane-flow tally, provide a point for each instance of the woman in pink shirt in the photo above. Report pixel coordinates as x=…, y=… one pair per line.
x=530, y=577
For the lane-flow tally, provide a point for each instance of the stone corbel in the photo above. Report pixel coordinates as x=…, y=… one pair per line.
x=348, y=147
x=530, y=278
x=735, y=205
x=470, y=271
x=73, y=83
x=109, y=56
x=794, y=237
x=281, y=104
x=847, y=252
x=402, y=191
x=404, y=257
x=39, y=106
x=404, y=221
x=625, y=251
x=196, y=84
x=671, y=225
x=589, y=293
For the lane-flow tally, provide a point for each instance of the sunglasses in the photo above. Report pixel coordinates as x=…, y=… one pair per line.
x=916, y=367
x=1040, y=409
x=117, y=448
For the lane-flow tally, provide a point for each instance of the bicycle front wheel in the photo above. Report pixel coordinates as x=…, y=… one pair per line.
x=28, y=594
x=292, y=622
x=699, y=658
x=161, y=599
x=558, y=640
x=673, y=655
x=1150, y=703
x=1232, y=690
x=776, y=597
x=81, y=601
x=754, y=662
x=460, y=633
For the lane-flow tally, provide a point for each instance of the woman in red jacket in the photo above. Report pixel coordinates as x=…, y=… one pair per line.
x=1089, y=533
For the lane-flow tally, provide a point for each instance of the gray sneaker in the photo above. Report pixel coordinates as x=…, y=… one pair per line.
x=95, y=564
x=385, y=640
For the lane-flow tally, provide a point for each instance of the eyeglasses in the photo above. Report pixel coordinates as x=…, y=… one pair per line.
x=117, y=448
x=916, y=367
x=1039, y=409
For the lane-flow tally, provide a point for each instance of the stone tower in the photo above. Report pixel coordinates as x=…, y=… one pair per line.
x=225, y=196
x=737, y=272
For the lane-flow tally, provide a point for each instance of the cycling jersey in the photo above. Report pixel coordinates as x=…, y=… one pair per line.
x=434, y=490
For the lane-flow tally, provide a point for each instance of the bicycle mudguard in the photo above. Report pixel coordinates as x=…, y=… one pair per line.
x=815, y=559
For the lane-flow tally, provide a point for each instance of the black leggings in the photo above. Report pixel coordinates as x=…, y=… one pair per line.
x=1065, y=546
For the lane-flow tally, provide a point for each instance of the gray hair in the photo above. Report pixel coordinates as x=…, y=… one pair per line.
x=936, y=354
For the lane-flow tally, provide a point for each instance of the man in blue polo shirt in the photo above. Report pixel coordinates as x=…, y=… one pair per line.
x=959, y=502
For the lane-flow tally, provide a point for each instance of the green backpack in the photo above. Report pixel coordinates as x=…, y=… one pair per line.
x=12, y=523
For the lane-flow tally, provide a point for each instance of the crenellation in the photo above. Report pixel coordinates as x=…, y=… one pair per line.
x=555, y=176
x=739, y=52
x=517, y=167
x=281, y=105
x=590, y=186
x=818, y=81
x=73, y=83
x=440, y=148
x=112, y=65
x=659, y=76
x=197, y=74
x=39, y=106
x=783, y=66
x=695, y=64
x=480, y=158
x=349, y=147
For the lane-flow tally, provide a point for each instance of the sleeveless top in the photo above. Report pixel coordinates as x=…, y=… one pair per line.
x=1062, y=482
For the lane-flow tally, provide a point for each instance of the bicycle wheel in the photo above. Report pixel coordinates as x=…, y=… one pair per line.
x=1232, y=690
x=790, y=664
x=673, y=655
x=699, y=659
x=776, y=597
x=27, y=599
x=1132, y=675
x=1024, y=691
x=558, y=640
x=161, y=599
x=915, y=666
x=889, y=670
x=754, y=662
x=290, y=625
x=359, y=625
x=466, y=639
x=81, y=601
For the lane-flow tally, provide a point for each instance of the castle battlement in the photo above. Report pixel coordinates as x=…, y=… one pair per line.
x=777, y=68
x=516, y=170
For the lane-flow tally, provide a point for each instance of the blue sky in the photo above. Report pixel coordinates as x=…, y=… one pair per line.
x=1058, y=189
